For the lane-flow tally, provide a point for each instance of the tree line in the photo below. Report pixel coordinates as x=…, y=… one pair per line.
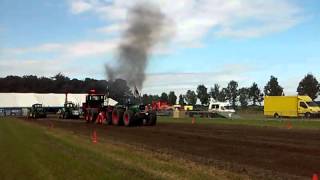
x=243, y=96
x=119, y=90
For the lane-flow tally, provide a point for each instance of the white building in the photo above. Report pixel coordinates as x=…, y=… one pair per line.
x=23, y=100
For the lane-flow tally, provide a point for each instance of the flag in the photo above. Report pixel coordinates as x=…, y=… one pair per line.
x=136, y=92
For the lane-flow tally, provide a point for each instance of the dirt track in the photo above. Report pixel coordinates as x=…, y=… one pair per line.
x=262, y=153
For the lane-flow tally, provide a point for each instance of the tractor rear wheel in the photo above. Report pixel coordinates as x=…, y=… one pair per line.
x=152, y=119
x=117, y=117
x=109, y=118
x=128, y=118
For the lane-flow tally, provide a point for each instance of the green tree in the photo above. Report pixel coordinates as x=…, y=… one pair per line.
x=261, y=98
x=223, y=95
x=155, y=98
x=215, y=91
x=273, y=88
x=232, y=93
x=172, y=98
x=254, y=93
x=244, y=97
x=145, y=99
x=309, y=86
x=181, y=100
x=164, y=97
x=191, y=97
x=202, y=94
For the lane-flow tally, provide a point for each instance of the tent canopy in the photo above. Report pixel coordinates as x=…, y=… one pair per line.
x=8, y=100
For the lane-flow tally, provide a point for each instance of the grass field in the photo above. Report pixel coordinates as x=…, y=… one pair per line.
x=259, y=122
x=30, y=151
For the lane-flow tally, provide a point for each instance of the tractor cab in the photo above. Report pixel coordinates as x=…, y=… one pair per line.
x=70, y=105
x=93, y=105
x=95, y=100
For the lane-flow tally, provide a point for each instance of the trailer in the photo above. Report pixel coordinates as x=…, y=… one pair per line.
x=215, y=109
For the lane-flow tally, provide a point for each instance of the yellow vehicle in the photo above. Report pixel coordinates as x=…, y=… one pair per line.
x=290, y=106
x=188, y=108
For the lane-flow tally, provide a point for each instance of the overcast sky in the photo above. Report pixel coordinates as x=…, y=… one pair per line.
x=212, y=41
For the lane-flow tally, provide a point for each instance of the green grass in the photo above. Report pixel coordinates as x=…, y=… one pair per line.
x=259, y=122
x=30, y=151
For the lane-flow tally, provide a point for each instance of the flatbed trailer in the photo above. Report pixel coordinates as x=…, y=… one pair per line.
x=209, y=114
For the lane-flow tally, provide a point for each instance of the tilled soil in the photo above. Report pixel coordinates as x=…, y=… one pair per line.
x=261, y=153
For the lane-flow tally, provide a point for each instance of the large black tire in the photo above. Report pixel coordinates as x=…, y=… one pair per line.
x=109, y=118
x=152, y=119
x=117, y=117
x=91, y=117
x=308, y=115
x=128, y=118
x=86, y=117
x=276, y=115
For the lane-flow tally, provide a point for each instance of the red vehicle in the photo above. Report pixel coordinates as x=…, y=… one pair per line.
x=162, y=108
x=94, y=109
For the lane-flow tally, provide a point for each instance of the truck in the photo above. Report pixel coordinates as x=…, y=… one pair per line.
x=290, y=106
x=37, y=111
x=97, y=109
x=215, y=109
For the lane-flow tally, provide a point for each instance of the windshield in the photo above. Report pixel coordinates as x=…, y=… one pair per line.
x=312, y=104
x=95, y=98
x=70, y=105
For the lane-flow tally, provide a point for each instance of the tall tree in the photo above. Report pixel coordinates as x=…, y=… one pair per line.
x=232, y=93
x=191, y=97
x=181, y=100
x=309, y=86
x=273, y=88
x=215, y=91
x=261, y=98
x=244, y=97
x=223, y=95
x=202, y=94
x=172, y=98
x=254, y=93
x=145, y=99
x=164, y=97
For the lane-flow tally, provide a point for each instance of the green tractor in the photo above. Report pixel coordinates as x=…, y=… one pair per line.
x=96, y=109
x=37, y=111
x=134, y=115
x=69, y=111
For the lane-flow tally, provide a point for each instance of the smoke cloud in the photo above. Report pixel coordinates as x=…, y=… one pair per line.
x=145, y=30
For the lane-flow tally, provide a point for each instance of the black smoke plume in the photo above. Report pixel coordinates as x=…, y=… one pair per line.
x=146, y=23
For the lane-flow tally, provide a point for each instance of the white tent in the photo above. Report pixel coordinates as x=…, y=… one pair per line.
x=8, y=100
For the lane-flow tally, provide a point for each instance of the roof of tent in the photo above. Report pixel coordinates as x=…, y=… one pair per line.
x=47, y=100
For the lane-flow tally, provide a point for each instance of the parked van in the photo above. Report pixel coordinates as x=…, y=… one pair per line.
x=290, y=106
